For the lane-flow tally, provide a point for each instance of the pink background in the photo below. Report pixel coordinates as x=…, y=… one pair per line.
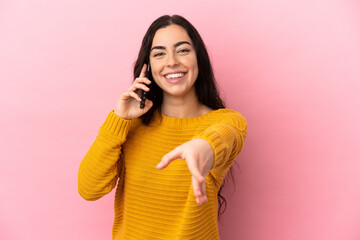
x=292, y=68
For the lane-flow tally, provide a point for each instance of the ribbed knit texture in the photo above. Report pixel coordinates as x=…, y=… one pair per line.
x=159, y=204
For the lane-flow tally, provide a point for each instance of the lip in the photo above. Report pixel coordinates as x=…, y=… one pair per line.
x=174, y=80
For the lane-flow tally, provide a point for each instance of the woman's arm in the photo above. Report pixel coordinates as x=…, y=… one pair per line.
x=100, y=168
x=213, y=150
x=226, y=138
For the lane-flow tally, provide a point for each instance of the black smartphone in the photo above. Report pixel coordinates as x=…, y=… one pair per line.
x=144, y=93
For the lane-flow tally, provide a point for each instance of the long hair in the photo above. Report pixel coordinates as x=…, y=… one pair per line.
x=205, y=85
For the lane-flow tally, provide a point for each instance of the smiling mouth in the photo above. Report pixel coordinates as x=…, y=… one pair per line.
x=174, y=75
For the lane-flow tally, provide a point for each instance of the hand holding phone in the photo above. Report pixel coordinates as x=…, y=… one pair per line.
x=127, y=106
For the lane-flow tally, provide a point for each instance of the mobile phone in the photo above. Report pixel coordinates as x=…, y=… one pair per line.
x=144, y=93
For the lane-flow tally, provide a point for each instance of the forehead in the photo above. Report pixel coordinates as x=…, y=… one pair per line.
x=170, y=35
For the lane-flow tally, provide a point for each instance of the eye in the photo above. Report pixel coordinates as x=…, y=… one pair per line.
x=158, y=54
x=184, y=50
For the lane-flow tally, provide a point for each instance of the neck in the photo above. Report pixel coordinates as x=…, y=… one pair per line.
x=183, y=107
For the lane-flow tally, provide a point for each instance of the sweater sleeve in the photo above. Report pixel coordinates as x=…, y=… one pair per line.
x=227, y=138
x=100, y=168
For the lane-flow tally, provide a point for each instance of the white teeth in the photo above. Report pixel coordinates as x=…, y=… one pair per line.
x=174, y=75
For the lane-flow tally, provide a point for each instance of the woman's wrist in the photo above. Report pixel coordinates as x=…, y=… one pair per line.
x=119, y=114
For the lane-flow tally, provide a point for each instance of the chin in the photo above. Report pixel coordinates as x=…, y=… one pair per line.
x=180, y=92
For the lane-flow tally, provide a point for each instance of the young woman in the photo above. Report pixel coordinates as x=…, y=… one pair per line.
x=170, y=156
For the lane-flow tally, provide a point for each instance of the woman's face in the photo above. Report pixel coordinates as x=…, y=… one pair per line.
x=173, y=61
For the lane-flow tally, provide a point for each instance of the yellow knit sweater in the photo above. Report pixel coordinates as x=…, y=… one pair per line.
x=159, y=204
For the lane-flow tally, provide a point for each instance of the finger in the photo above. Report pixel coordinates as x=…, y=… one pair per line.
x=196, y=187
x=167, y=158
x=136, y=86
x=132, y=94
x=199, y=189
x=142, y=80
x=203, y=191
x=143, y=71
x=194, y=168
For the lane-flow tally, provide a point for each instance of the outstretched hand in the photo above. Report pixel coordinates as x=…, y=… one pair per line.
x=199, y=157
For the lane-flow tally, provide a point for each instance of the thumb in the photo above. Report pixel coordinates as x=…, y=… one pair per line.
x=148, y=105
x=169, y=157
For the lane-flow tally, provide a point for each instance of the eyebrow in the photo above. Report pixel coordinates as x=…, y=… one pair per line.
x=175, y=45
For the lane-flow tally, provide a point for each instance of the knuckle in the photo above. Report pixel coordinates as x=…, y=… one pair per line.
x=164, y=159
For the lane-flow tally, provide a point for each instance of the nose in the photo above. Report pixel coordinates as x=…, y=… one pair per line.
x=172, y=60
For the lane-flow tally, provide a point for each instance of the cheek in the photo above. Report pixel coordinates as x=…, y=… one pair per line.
x=155, y=72
x=157, y=78
x=193, y=63
x=195, y=69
